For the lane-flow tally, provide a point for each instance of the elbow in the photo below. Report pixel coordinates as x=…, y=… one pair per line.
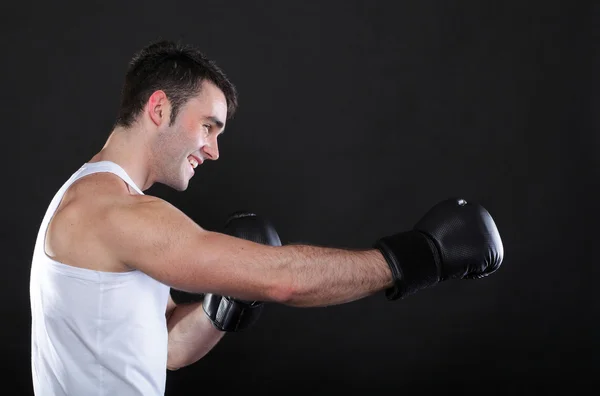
x=173, y=365
x=282, y=293
x=280, y=284
x=175, y=361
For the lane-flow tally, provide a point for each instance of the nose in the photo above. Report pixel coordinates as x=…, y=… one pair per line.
x=211, y=149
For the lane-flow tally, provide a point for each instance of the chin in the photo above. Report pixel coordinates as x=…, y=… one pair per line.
x=177, y=184
x=181, y=186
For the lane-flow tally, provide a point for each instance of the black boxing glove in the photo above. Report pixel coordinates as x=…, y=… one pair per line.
x=231, y=314
x=455, y=239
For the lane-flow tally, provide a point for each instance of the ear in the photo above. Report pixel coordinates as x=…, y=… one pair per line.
x=158, y=107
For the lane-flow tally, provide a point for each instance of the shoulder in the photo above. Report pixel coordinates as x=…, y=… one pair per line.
x=102, y=191
x=91, y=208
x=115, y=212
x=97, y=200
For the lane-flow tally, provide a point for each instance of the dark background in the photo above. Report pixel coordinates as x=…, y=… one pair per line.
x=355, y=118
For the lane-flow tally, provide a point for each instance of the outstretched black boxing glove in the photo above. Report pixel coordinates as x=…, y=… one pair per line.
x=456, y=239
x=231, y=314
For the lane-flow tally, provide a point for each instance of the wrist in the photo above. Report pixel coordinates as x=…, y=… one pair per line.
x=230, y=315
x=413, y=262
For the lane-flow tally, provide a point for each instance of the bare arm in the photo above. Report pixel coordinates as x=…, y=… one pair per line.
x=191, y=334
x=155, y=237
x=320, y=276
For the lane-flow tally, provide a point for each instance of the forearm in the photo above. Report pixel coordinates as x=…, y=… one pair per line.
x=191, y=335
x=320, y=276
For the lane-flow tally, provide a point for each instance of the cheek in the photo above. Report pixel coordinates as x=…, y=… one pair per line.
x=197, y=139
x=189, y=135
x=185, y=125
x=190, y=132
x=185, y=121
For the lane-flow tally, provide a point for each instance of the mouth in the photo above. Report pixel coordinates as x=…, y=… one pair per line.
x=194, y=161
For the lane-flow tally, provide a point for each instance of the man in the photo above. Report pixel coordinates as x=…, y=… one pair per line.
x=107, y=255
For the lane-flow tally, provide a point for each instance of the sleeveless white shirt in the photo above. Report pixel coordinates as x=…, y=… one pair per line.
x=95, y=333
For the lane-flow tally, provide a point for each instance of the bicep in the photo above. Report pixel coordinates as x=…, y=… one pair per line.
x=161, y=241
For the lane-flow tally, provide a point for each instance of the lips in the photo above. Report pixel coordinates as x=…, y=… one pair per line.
x=194, y=161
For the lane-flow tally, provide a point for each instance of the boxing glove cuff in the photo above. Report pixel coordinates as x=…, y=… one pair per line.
x=231, y=315
x=414, y=261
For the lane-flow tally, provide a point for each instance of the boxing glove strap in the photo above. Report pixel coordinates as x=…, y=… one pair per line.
x=230, y=315
x=413, y=260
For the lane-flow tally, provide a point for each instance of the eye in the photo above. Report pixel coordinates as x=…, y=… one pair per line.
x=207, y=127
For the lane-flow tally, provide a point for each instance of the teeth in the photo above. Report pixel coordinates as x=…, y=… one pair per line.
x=193, y=162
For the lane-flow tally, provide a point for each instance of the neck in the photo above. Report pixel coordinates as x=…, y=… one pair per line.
x=130, y=149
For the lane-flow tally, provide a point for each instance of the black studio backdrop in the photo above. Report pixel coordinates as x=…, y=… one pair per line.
x=355, y=118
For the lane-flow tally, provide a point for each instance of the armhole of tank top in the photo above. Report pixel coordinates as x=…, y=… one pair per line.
x=50, y=216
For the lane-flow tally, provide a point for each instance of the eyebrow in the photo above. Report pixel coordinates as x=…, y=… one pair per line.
x=216, y=121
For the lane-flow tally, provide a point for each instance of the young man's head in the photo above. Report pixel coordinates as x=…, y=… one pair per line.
x=176, y=69
x=182, y=100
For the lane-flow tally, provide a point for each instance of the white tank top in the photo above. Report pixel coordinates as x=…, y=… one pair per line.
x=95, y=333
